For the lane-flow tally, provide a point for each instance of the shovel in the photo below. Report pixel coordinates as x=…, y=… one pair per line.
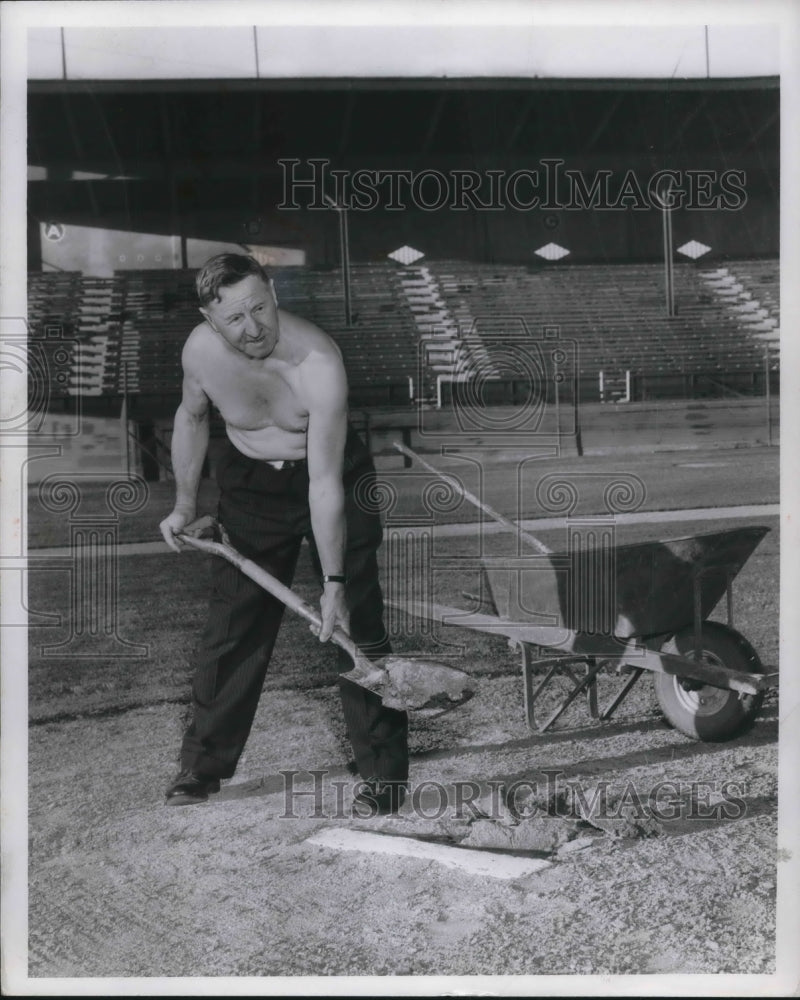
x=422, y=685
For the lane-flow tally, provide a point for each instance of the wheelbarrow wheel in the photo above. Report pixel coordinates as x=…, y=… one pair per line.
x=703, y=712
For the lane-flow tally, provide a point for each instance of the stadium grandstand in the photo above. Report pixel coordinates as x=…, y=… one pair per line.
x=629, y=215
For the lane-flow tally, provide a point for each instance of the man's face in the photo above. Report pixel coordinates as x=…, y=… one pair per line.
x=246, y=316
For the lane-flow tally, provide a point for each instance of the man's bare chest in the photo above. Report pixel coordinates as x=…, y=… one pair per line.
x=254, y=396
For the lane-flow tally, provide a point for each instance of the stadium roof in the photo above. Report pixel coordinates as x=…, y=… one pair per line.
x=186, y=115
x=183, y=132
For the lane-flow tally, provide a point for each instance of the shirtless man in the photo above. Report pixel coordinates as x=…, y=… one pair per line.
x=289, y=472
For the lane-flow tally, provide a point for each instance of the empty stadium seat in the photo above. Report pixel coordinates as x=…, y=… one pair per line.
x=99, y=336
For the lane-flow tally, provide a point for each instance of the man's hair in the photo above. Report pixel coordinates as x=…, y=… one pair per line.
x=223, y=270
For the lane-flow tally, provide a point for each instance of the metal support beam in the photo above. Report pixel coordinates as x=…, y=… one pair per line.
x=433, y=123
x=79, y=150
x=347, y=122
x=169, y=159
x=762, y=128
x=602, y=125
x=687, y=120
x=665, y=196
x=519, y=124
x=344, y=256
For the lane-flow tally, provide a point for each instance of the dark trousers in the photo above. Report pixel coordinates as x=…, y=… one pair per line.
x=266, y=514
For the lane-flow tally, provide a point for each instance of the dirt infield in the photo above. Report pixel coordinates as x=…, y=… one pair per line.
x=121, y=886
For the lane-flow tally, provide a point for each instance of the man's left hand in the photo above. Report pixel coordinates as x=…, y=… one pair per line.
x=333, y=610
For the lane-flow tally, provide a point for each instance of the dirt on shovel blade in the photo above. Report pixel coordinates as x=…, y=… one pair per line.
x=408, y=684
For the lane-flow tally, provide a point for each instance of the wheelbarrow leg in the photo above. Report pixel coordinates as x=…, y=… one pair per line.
x=591, y=689
x=531, y=694
x=591, y=672
x=634, y=676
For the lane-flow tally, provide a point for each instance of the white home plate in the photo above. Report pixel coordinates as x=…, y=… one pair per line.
x=473, y=861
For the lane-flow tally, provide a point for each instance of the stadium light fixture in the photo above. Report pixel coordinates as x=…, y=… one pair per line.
x=693, y=249
x=405, y=255
x=551, y=251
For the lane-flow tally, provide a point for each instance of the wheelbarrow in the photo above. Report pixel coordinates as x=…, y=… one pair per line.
x=424, y=686
x=634, y=608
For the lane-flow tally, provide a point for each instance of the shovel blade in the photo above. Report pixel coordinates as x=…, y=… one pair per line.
x=412, y=684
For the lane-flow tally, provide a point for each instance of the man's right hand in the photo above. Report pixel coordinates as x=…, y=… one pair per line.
x=174, y=524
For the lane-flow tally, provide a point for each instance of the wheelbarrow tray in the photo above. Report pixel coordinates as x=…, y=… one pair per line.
x=618, y=604
x=624, y=591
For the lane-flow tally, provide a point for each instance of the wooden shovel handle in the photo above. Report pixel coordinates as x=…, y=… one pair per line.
x=267, y=581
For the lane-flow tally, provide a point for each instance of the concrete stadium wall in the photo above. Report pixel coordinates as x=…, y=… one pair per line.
x=630, y=427
x=604, y=428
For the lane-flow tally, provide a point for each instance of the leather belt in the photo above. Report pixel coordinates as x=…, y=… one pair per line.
x=286, y=463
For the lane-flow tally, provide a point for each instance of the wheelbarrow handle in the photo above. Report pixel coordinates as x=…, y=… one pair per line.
x=265, y=580
x=506, y=522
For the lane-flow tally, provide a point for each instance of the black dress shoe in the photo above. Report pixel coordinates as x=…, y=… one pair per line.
x=189, y=788
x=378, y=797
